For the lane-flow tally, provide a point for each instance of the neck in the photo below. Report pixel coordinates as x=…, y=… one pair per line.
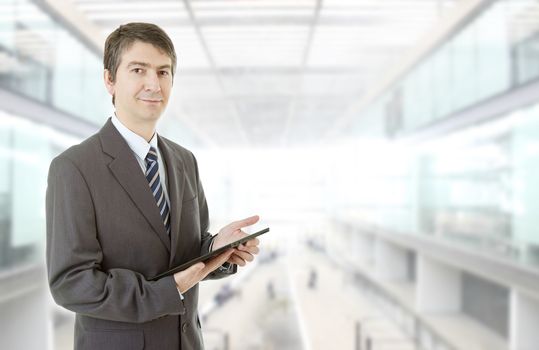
x=143, y=128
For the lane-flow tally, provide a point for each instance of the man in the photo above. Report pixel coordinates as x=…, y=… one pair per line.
x=127, y=204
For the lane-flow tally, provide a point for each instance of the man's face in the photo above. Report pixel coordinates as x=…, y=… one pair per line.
x=143, y=83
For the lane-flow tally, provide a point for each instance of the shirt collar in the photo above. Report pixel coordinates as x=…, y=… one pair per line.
x=136, y=142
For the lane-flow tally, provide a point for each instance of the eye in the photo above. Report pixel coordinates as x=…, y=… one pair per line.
x=136, y=70
x=164, y=73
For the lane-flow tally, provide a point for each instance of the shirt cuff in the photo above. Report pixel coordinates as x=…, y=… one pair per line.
x=226, y=267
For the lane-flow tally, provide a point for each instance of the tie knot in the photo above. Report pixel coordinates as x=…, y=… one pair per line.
x=152, y=155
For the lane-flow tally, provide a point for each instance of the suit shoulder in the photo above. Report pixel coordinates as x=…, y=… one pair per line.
x=80, y=154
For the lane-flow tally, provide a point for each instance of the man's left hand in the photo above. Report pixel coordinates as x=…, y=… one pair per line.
x=232, y=232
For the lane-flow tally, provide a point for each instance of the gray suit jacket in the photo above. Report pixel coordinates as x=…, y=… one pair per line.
x=105, y=238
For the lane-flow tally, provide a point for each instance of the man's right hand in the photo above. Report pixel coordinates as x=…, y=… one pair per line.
x=187, y=278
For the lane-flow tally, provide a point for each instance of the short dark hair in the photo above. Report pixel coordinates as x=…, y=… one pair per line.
x=126, y=35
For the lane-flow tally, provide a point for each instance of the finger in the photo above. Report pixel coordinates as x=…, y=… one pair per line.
x=244, y=255
x=236, y=225
x=252, y=242
x=224, y=256
x=249, y=249
x=234, y=259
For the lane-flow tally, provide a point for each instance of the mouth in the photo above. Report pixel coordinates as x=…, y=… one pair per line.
x=150, y=101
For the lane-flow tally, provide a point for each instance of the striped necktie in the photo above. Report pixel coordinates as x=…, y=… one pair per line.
x=152, y=175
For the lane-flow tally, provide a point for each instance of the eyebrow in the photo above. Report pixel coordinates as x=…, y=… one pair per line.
x=144, y=64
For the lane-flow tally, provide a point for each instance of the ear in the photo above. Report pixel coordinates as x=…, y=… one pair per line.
x=109, y=84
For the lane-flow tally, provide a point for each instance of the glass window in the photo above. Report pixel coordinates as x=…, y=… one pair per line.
x=523, y=33
x=32, y=47
x=41, y=59
x=441, y=81
x=417, y=96
x=5, y=189
x=463, y=68
x=31, y=158
x=96, y=100
x=525, y=159
x=493, y=54
x=410, y=93
x=424, y=90
x=26, y=149
x=68, y=82
x=7, y=24
x=527, y=59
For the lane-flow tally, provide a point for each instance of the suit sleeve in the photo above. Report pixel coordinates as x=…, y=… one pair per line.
x=206, y=238
x=74, y=258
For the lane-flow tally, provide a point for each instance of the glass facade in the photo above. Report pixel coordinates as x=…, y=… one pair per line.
x=26, y=150
x=492, y=54
x=43, y=60
x=475, y=186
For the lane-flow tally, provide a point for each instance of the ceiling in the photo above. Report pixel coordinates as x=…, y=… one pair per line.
x=273, y=73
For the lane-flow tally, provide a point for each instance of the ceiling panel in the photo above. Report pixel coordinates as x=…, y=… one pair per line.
x=273, y=72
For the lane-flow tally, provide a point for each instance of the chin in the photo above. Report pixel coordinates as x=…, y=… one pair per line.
x=152, y=117
x=149, y=116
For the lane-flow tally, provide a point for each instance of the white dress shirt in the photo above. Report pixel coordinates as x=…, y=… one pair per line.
x=140, y=148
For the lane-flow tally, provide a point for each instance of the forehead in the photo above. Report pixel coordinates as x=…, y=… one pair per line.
x=146, y=53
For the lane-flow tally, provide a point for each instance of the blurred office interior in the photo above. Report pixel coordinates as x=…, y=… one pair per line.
x=391, y=145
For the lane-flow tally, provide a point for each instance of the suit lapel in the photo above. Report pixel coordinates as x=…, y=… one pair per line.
x=175, y=188
x=126, y=170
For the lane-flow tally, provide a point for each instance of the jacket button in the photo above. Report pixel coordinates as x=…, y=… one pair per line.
x=185, y=326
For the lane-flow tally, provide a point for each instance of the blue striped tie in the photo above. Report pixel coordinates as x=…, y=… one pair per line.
x=152, y=175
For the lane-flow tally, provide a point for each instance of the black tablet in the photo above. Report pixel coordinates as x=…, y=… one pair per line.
x=210, y=254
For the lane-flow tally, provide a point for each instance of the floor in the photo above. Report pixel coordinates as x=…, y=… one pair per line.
x=301, y=301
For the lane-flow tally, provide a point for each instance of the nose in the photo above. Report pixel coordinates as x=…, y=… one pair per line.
x=151, y=82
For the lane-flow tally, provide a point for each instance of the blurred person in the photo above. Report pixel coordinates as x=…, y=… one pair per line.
x=127, y=204
x=313, y=278
x=270, y=289
x=224, y=294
